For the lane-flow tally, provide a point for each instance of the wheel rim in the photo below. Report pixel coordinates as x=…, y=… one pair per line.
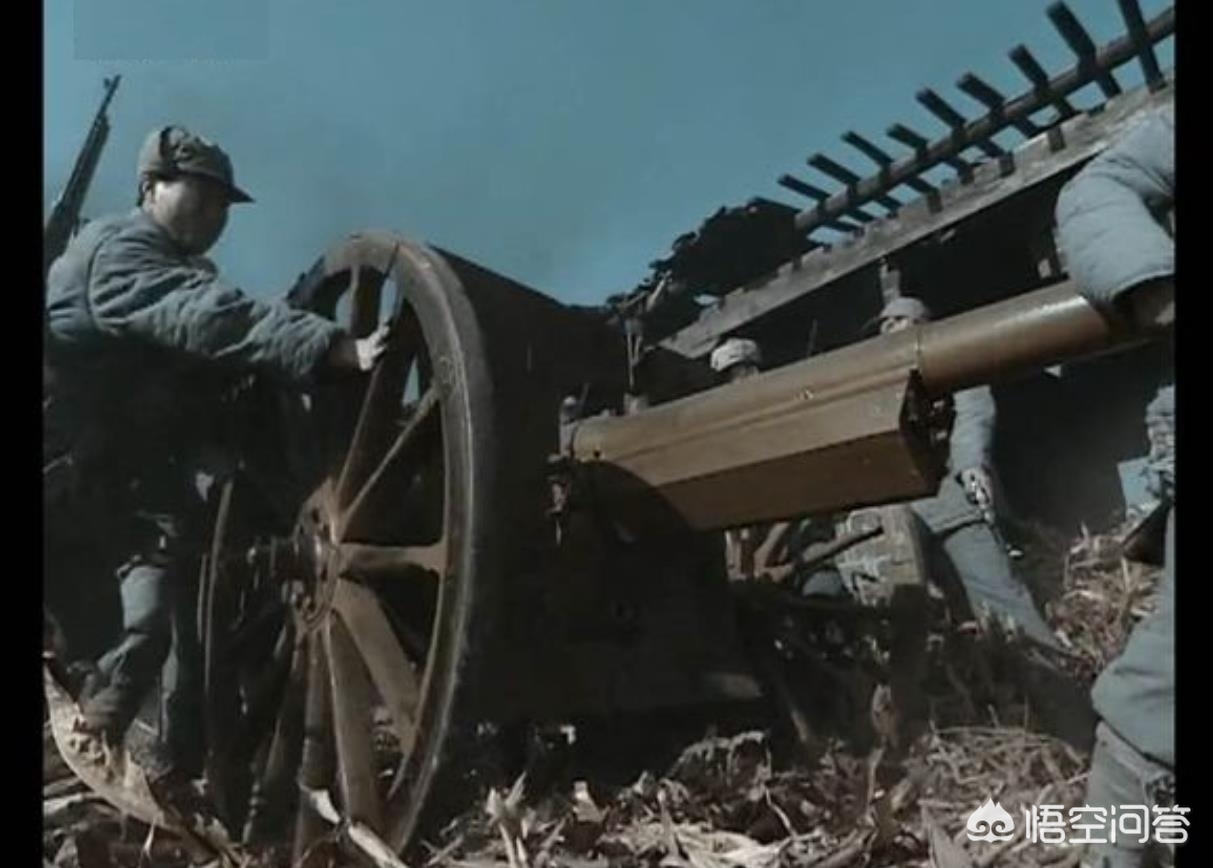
x=380, y=569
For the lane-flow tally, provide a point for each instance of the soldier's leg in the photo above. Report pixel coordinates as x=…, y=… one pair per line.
x=825, y=582
x=984, y=569
x=1058, y=700
x=129, y=669
x=1136, y=696
x=1120, y=776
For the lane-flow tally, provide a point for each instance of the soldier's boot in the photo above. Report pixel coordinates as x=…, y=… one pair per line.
x=110, y=709
x=1061, y=704
x=82, y=679
x=1059, y=701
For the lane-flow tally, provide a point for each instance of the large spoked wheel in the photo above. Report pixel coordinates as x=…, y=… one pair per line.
x=377, y=595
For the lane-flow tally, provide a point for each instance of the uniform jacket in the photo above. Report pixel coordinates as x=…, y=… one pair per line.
x=140, y=336
x=1109, y=215
x=1111, y=234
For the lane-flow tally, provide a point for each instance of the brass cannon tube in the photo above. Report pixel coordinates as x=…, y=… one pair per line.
x=848, y=428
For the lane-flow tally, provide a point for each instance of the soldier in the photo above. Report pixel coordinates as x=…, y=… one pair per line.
x=962, y=518
x=1122, y=258
x=142, y=336
x=772, y=549
x=736, y=359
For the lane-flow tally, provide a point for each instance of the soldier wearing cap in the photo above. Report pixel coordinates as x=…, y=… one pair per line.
x=1121, y=254
x=736, y=359
x=767, y=548
x=962, y=518
x=143, y=336
x=960, y=515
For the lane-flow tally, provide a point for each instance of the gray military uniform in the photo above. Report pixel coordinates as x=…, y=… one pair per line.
x=1110, y=231
x=963, y=538
x=1113, y=237
x=141, y=340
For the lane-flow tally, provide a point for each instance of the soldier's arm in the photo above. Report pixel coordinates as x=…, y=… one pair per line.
x=1109, y=223
x=140, y=291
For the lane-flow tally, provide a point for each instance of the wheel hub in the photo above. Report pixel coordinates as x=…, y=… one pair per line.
x=317, y=569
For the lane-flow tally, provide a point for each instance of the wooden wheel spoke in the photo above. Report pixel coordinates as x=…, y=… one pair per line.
x=337, y=407
x=374, y=562
x=403, y=446
x=316, y=763
x=352, y=733
x=347, y=407
x=271, y=789
x=214, y=583
x=384, y=656
x=265, y=693
x=286, y=728
x=380, y=406
x=364, y=291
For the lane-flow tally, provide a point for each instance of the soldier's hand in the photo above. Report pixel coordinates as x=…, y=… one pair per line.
x=359, y=354
x=371, y=347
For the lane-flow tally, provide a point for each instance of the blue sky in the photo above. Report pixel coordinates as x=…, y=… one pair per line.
x=564, y=143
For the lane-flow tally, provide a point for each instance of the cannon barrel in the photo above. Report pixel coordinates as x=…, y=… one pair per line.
x=853, y=427
x=1022, y=334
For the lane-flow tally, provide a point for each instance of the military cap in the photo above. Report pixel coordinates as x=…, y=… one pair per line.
x=174, y=150
x=902, y=305
x=906, y=306
x=735, y=351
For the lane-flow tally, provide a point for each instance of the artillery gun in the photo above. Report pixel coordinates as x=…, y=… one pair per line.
x=519, y=513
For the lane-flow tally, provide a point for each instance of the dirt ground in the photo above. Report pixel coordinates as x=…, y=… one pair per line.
x=747, y=793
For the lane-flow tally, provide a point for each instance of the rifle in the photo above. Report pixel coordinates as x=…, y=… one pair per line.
x=65, y=214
